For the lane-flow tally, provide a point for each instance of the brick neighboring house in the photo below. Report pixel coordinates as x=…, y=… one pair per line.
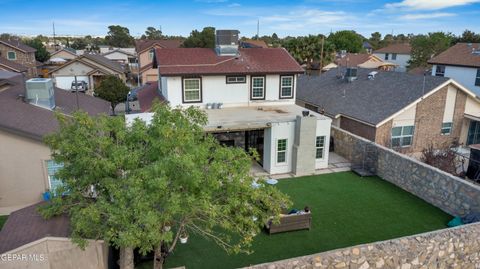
x=460, y=62
x=20, y=54
x=398, y=54
x=145, y=50
x=396, y=109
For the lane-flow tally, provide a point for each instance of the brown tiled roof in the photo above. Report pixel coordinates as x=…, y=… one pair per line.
x=147, y=95
x=204, y=61
x=354, y=59
x=12, y=66
x=461, y=54
x=144, y=44
x=27, y=225
x=19, y=45
x=400, y=48
x=33, y=121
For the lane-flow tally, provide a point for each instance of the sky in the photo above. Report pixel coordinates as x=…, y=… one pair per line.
x=285, y=18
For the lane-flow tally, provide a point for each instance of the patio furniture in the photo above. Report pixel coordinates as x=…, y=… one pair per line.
x=292, y=222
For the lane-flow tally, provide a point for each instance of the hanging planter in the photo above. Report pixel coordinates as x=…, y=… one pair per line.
x=167, y=228
x=183, y=237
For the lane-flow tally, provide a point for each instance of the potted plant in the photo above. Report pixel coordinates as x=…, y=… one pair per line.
x=167, y=226
x=183, y=237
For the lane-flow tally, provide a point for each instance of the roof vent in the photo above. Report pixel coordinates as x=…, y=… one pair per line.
x=351, y=74
x=226, y=42
x=371, y=75
x=39, y=92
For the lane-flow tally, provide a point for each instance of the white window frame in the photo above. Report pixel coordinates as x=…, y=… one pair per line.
x=236, y=79
x=447, y=129
x=285, y=151
x=14, y=54
x=394, y=56
x=437, y=73
x=184, y=97
x=56, y=166
x=402, y=136
x=477, y=78
x=282, y=87
x=386, y=56
x=320, y=147
x=253, y=88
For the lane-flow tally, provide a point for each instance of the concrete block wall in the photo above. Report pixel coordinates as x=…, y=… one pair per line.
x=452, y=194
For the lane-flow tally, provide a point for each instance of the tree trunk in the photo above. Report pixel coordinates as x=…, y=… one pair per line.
x=126, y=258
x=113, y=108
x=159, y=258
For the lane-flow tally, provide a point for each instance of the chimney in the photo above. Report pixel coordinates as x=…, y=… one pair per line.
x=226, y=42
x=39, y=92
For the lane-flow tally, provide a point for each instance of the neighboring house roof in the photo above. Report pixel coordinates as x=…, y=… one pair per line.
x=104, y=61
x=99, y=59
x=205, y=61
x=27, y=225
x=18, y=45
x=120, y=51
x=250, y=43
x=355, y=59
x=145, y=44
x=32, y=121
x=461, y=54
x=400, y=48
x=420, y=71
x=147, y=95
x=12, y=66
x=67, y=50
x=369, y=101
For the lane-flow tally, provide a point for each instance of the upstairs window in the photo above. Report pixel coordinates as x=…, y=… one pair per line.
x=258, y=88
x=281, y=150
x=440, y=71
x=477, y=78
x=320, y=147
x=446, y=128
x=53, y=181
x=402, y=136
x=192, y=92
x=394, y=56
x=386, y=56
x=236, y=79
x=12, y=55
x=286, y=86
x=150, y=55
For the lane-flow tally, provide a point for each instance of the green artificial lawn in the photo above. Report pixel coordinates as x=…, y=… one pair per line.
x=3, y=219
x=347, y=210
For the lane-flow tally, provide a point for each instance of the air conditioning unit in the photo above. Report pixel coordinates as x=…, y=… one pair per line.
x=351, y=74
x=39, y=92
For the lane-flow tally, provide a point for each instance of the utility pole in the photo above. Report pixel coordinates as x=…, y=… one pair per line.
x=258, y=29
x=321, y=54
x=54, y=40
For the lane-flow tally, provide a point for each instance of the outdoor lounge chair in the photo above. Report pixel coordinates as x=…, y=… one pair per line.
x=290, y=222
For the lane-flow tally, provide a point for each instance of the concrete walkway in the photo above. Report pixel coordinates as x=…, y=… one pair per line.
x=336, y=163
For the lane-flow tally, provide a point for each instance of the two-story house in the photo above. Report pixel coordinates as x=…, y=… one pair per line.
x=460, y=62
x=398, y=54
x=145, y=50
x=20, y=54
x=249, y=97
x=395, y=109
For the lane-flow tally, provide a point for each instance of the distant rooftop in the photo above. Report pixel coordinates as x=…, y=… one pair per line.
x=400, y=48
x=461, y=54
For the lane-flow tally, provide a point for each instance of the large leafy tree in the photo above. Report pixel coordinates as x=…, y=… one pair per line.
x=424, y=47
x=469, y=37
x=346, y=40
x=119, y=36
x=154, y=183
x=375, y=40
x=203, y=39
x=41, y=54
x=152, y=33
x=308, y=49
x=113, y=90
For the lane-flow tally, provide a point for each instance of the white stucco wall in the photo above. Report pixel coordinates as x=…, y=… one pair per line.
x=401, y=60
x=472, y=107
x=463, y=75
x=280, y=130
x=216, y=90
x=406, y=118
x=450, y=104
